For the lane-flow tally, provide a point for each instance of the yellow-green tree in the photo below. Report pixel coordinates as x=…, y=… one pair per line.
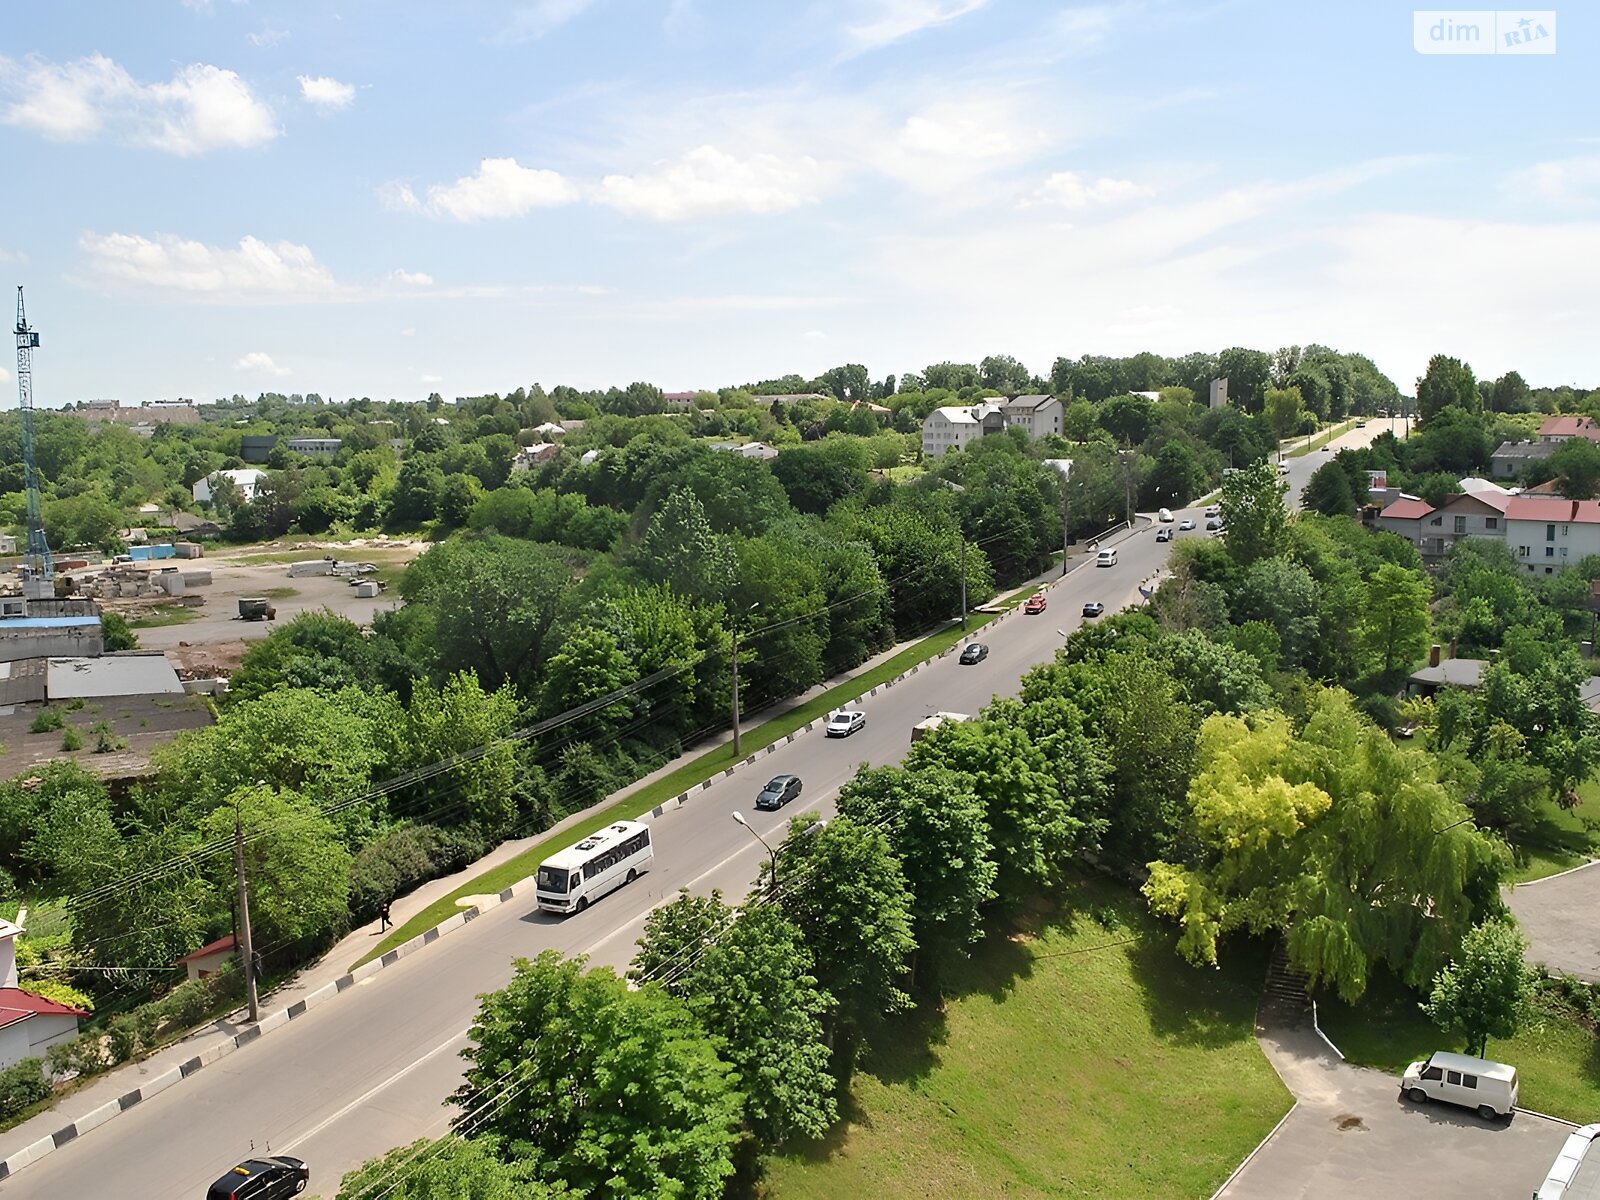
x=1336, y=837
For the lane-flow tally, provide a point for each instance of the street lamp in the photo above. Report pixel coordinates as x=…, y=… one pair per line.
x=773, y=854
x=737, y=621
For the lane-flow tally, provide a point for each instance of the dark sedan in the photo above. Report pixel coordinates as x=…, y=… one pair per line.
x=975, y=652
x=1093, y=609
x=779, y=791
x=263, y=1178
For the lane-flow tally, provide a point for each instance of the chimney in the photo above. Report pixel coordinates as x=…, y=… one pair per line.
x=1433, y=655
x=1452, y=647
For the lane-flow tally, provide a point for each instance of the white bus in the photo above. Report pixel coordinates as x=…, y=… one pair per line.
x=602, y=862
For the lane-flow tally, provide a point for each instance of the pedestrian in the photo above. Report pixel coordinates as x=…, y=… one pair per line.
x=383, y=915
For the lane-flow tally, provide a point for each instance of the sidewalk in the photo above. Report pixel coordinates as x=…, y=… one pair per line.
x=119, y=1089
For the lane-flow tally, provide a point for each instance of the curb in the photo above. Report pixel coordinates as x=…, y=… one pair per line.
x=1317, y=1025
x=275, y=1020
x=1583, y=866
x=1261, y=1145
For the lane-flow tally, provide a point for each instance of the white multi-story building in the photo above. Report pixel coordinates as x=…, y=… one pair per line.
x=1471, y=514
x=247, y=480
x=1546, y=533
x=955, y=427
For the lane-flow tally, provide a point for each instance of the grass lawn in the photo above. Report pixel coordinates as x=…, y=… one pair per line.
x=1560, y=840
x=905, y=472
x=641, y=800
x=1084, y=1060
x=1557, y=1055
x=169, y=615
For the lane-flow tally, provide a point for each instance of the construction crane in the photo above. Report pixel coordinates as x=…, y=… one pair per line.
x=38, y=568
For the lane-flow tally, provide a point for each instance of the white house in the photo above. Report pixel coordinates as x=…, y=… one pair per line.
x=247, y=480
x=29, y=1024
x=746, y=449
x=956, y=426
x=1039, y=415
x=1559, y=429
x=1471, y=514
x=1546, y=533
x=1405, y=517
x=209, y=959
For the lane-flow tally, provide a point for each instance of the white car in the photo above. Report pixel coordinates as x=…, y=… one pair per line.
x=1106, y=558
x=1164, y=515
x=845, y=722
x=1186, y=523
x=1213, y=510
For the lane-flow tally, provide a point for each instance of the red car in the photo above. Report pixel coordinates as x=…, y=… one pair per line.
x=1035, y=604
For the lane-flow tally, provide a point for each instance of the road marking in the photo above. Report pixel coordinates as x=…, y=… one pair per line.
x=373, y=1091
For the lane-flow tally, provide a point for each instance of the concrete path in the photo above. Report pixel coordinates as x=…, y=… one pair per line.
x=1557, y=914
x=1350, y=1134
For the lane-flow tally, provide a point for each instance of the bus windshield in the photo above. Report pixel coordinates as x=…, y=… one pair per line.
x=552, y=880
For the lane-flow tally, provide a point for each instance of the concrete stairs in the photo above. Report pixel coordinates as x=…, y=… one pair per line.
x=1284, y=1001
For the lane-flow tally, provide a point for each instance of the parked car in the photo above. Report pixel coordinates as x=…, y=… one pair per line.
x=1213, y=510
x=1106, y=558
x=1036, y=603
x=1213, y=523
x=1186, y=523
x=1489, y=1087
x=262, y=1179
x=779, y=791
x=975, y=652
x=1164, y=514
x=845, y=722
x=1361, y=424
x=1163, y=534
x=1093, y=608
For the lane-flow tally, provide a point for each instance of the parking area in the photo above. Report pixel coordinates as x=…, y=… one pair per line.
x=1557, y=915
x=1351, y=1135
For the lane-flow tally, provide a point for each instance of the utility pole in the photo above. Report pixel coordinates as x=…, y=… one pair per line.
x=242, y=941
x=963, y=583
x=736, y=751
x=1066, y=524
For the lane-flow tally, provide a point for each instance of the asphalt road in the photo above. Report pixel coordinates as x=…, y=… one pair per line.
x=370, y=1069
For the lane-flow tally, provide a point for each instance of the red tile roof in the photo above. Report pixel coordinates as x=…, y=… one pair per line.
x=18, y=1005
x=1549, y=508
x=216, y=947
x=1565, y=427
x=1407, y=510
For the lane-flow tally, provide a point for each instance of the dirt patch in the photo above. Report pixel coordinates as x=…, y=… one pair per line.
x=1345, y=1123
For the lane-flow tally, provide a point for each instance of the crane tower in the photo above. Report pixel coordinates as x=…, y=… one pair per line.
x=38, y=568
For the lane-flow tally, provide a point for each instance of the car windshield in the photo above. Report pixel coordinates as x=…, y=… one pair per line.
x=552, y=880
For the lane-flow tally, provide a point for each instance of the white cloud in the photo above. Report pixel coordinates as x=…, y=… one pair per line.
x=201, y=108
x=1068, y=189
x=707, y=181
x=267, y=37
x=813, y=335
x=534, y=20
x=887, y=21
x=1566, y=183
x=260, y=362
x=5, y=375
x=409, y=331
x=325, y=92
x=411, y=278
x=501, y=187
x=255, y=270
x=430, y=379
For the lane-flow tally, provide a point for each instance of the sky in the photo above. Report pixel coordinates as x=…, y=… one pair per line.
x=389, y=198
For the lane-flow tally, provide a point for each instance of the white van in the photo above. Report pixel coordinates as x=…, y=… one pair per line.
x=1489, y=1087
x=1164, y=515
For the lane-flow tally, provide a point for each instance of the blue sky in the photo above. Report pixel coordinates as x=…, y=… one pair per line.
x=391, y=197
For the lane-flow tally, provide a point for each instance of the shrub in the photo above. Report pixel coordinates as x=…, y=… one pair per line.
x=122, y=1038
x=105, y=738
x=71, y=739
x=21, y=1084
x=84, y=1055
x=48, y=721
x=404, y=858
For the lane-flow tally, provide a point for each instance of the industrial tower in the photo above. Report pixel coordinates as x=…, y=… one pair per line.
x=38, y=568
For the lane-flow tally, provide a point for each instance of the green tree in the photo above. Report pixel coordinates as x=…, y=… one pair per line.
x=1079, y=421
x=1511, y=394
x=117, y=634
x=615, y=1093
x=315, y=650
x=589, y=666
x=860, y=936
x=1336, y=837
x=1328, y=491
x=458, y=494
x=298, y=869
x=1127, y=419
x=1449, y=383
x=938, y=827
x=1004, y=374
x=463, y=719
x=1576, y=464
x=83, y=520
x=1253, y=513
x=817, y=477
x=750, y=982
x=1176, y=477
x=1283, y=408
x=681, y=549
x=451, y=1168
x=1248, y=373
x=1487, y=989
x=1394, y=623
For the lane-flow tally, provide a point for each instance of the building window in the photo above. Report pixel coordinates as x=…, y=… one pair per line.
x=1522, y=552
x=1491, y=522
x=1461, y=524
x=1563, y=552
x=1563, y=531
x=1549, y=533
x=1549, y=551
x=1549, y=570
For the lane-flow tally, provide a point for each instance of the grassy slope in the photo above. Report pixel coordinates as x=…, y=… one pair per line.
x=641, y=800
x=1557, y=1057
x=1561, y=840
x=1079, y=1061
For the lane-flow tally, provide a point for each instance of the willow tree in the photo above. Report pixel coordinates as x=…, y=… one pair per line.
x=1337, y=838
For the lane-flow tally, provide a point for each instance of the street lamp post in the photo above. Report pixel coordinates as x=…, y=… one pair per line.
x=771, y=853
x=738, y=621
